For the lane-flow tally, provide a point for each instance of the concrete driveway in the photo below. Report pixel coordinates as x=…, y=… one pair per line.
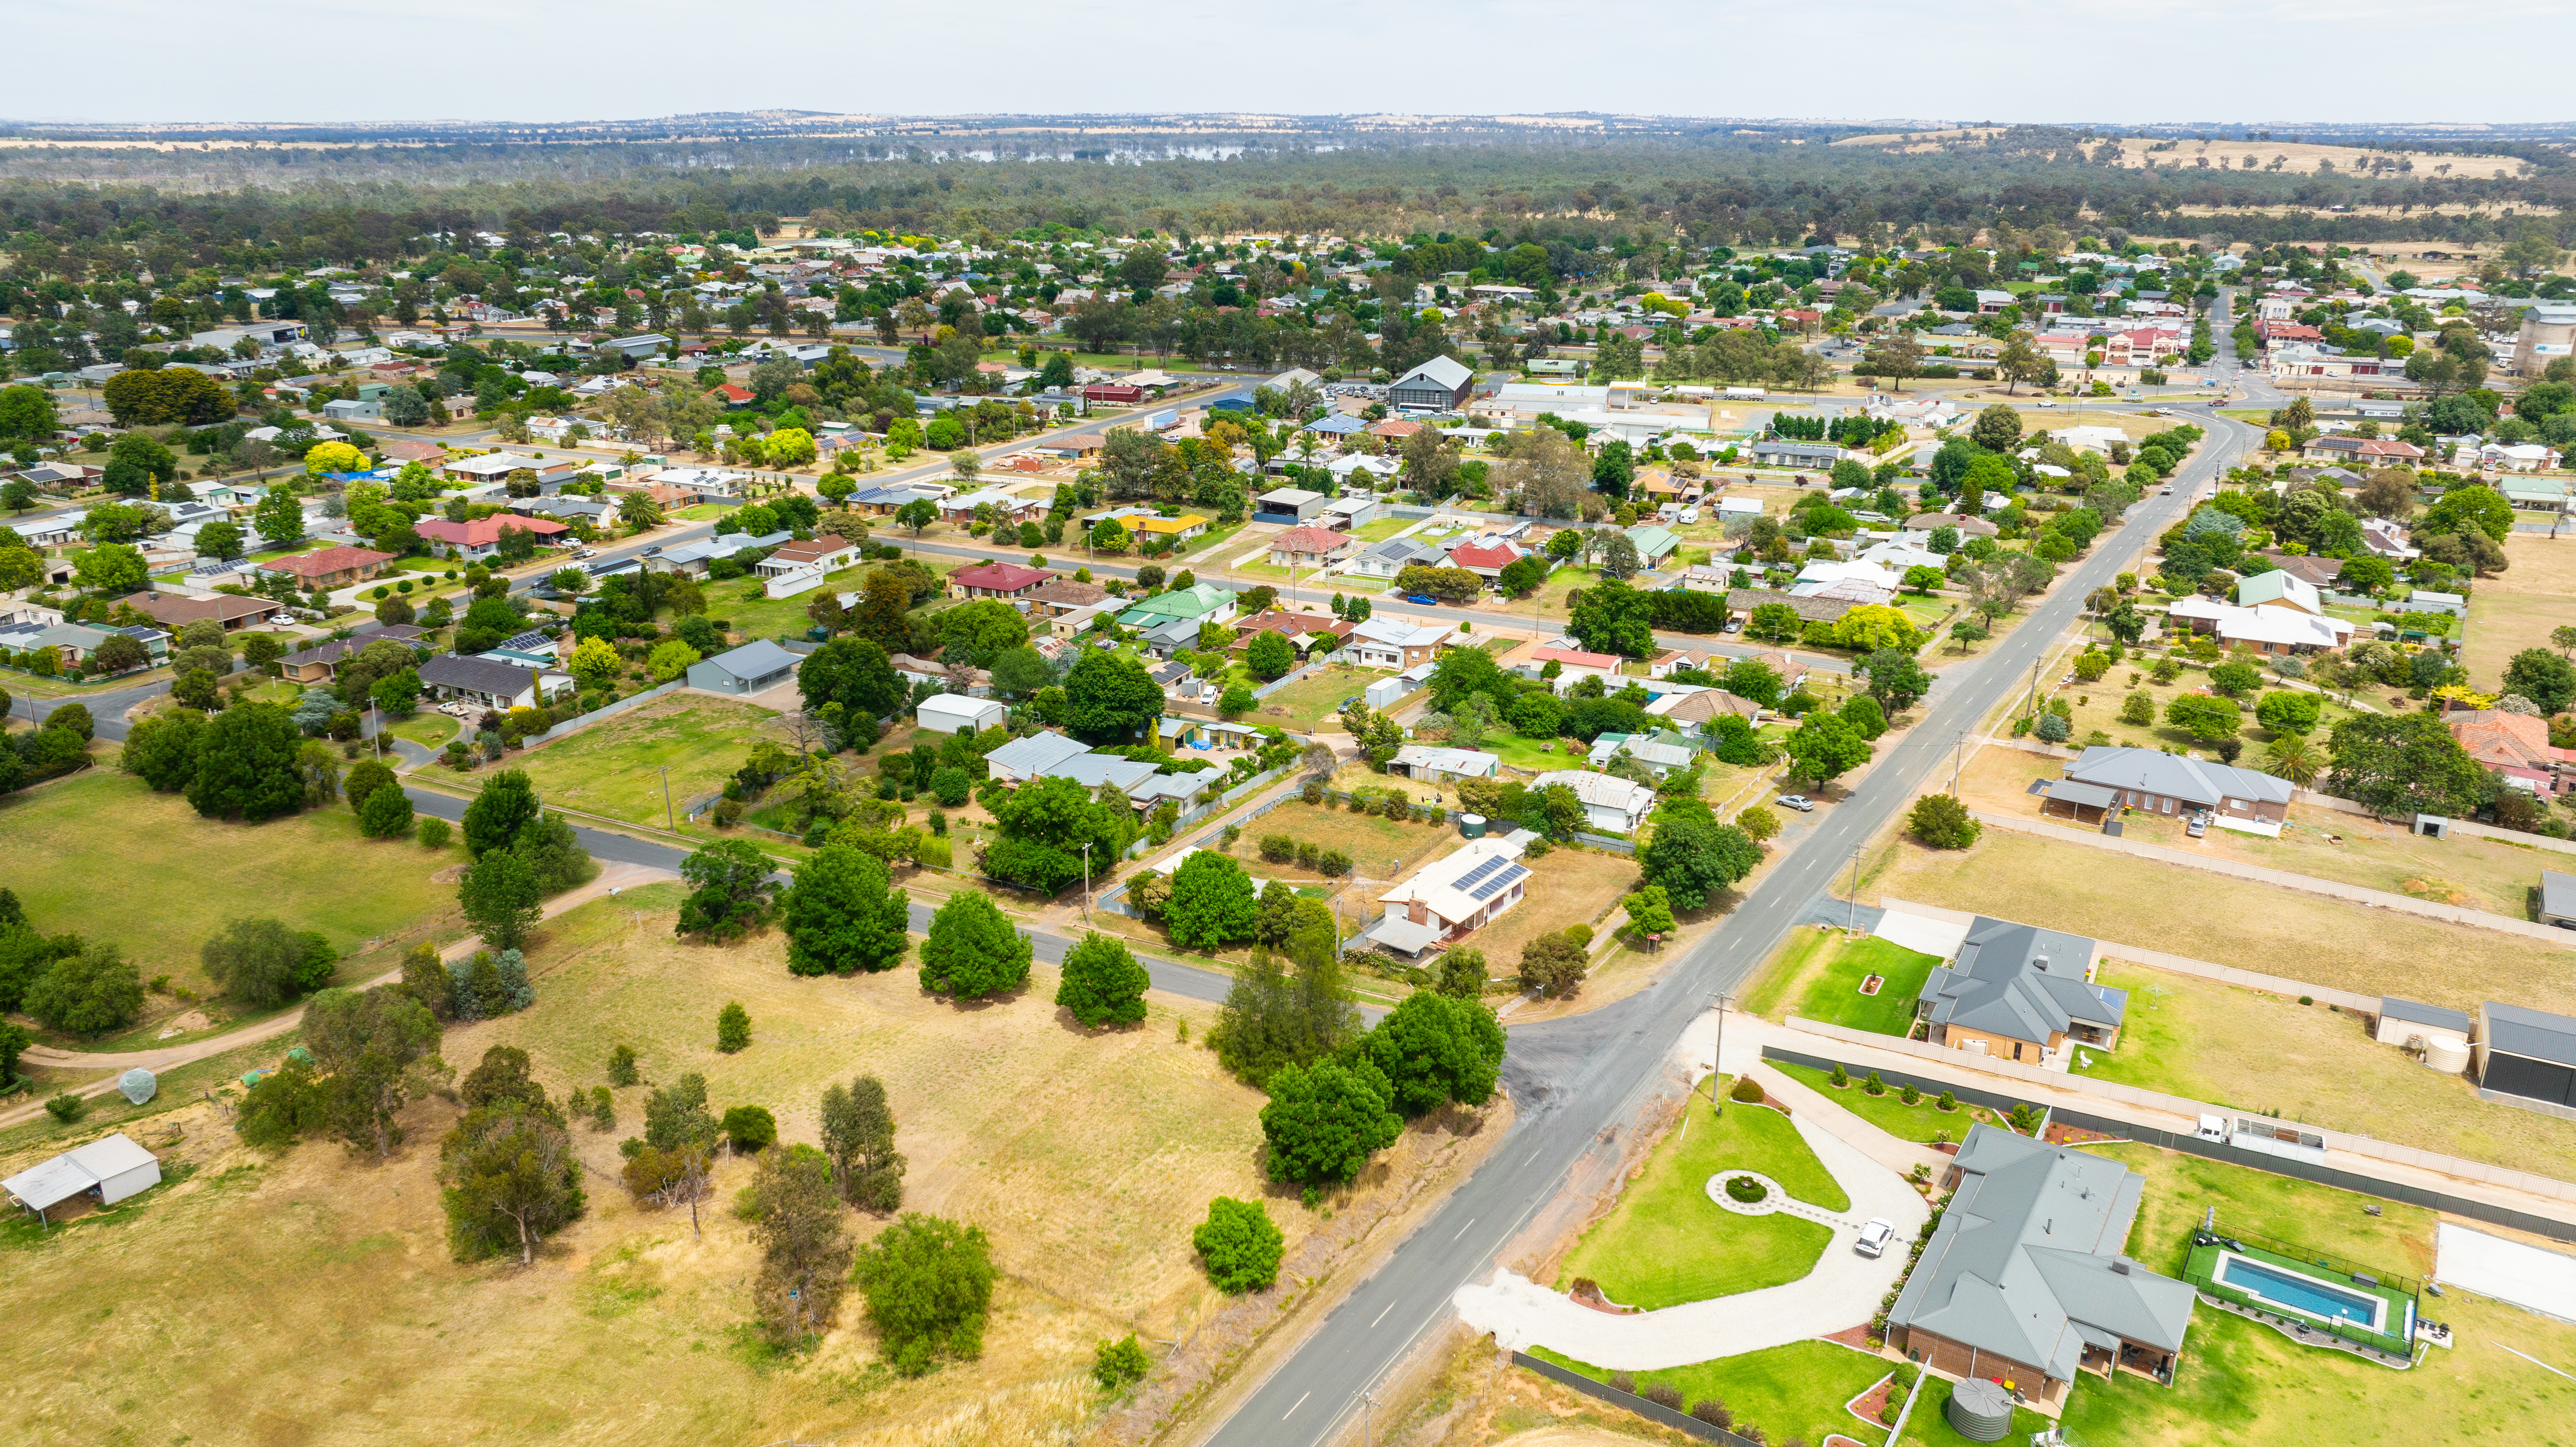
x=1842, y=1292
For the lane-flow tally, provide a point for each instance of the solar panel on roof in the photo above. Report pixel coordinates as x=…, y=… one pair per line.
x=1479, y=872
x=1498, y=883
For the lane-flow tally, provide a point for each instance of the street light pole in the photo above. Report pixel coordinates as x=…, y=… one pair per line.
x=1086, y=880
x=1717, y=1056
x=667, y=819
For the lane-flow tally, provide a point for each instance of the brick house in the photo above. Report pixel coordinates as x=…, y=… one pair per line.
x=330, y=567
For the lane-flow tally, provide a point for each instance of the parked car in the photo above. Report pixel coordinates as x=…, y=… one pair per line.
x=1875, y=1233
x=1207, y=694
x=1734, y=625
x=1799, y=802
x=1422, y=598
x=2044, y=402
x=2198, y=826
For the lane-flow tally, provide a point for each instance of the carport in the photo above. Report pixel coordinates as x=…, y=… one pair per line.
x=2083, y=803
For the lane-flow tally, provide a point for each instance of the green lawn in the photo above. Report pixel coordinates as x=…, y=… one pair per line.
x=1818, y=974
x=1790, y=1392
x=1922, y=1121
x=739, y=602
x=1537, y=755
x=1314, y=697
x=104, y=857
x=1926, y=1424
x=1382, y=529
x=1667, y=1242
x=700, y=513
x=429, y=728
x=617, y=768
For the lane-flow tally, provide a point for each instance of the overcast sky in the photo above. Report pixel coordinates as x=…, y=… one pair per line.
x=2006, y=60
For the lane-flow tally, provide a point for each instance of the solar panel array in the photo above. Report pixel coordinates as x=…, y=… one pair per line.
x=1509, y=875
x=1467, y=880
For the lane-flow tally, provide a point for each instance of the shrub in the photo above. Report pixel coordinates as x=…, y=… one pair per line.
x=1622, y=1382
x=928, y=1284
x=621, y=1066
x=1746, y=1189
x=1116, y=1363
x=1840, y=1079
x=432, y=833
x=733, y=1027
x=1240, y=1245
x=1747, y=1089
x=727, y=813
x=1947, y=1101
x=1874, y=1085
x=1398, y=808
x=66, y=1107
x=1306, y=854
x=1887, y=1412
x=750, y=1128
x=1313, y=793
x=1578, y=935
x=1910, y=1095
x=1278, y=848
x=1663, y=1395
x=1332, y=863
x=1713, y=1412
x=1536, y=849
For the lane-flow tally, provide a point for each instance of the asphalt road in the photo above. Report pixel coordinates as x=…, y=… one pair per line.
x=1572, y=1079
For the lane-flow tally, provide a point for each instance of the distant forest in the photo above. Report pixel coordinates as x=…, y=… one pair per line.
x=1737, y=186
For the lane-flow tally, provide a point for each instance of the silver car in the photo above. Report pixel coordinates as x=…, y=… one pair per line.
x=1874, y=1235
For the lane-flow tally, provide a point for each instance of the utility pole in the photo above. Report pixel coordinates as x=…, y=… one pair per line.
x=2035, y=665
x=668, y=820
x=1086, y=880
x=1852, y=923
x=1958, y=753
x=1717, y=1056
x=1368, y=1413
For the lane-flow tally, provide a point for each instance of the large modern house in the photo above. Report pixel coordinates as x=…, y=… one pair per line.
x=2019, y=992
x=2024, y=1280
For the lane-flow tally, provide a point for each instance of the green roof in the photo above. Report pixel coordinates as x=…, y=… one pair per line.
x=1192, y=602
x=1652, y=542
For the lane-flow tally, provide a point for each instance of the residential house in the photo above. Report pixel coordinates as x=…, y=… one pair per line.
x=1486, y=557
x=2019, y=992
x=480, y=539
x=1171, y=530
x=997, y=580
x=328, y=568
x=322, y=661
x=2274, y=612
x=489, y=682
x=1610, y=803
x=1199, y=603
x=2516, y=747
x=1393, y=556
x=1969, y=527
x=1349, y=513
x=1024, y=759
x=1809, y=608
x=2024, y=1279
x=1659, y=755
x=2318, y=573
x=828, y=553
x=1060, y=596
x=753, y=668
x=1432, y=764
x=497, y=466
x=2362, y=453
x=1454, y=895
x=1396, y=643
x=695, y=557
x=1653, y=544
x=1779, y=452
x=1698, y=709
x=2387, y=539
x=2155, y=782
x=175, y=612
x=1308, y=547
x=1302, y=630
x=1573, y=665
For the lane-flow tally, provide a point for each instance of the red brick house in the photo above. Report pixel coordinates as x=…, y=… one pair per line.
x=995, y=580
x=330, y=567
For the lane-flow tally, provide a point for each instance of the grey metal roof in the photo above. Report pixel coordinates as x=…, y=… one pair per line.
x=2020, y=981
x=478, y=675
x=1033, y=756
x=2026, y=1258
x=1444, y=372
x=760, y=658
x=2532, y=1034
x=2090, y=796
x=2557, y=893
x=2197, y=781
x=1093, y=770
x=2417, y=1013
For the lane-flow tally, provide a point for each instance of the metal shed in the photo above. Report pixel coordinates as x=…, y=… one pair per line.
x=114, y=1167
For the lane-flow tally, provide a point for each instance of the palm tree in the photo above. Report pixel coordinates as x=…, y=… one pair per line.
x=2293, y=758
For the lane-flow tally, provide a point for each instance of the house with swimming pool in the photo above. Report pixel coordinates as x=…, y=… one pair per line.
x=2024, y=1283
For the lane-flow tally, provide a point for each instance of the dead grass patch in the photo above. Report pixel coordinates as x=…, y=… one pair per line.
x=1380, y=848
x=1568, y=887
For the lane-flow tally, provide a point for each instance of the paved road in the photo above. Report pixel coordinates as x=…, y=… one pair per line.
x=1571, y=1078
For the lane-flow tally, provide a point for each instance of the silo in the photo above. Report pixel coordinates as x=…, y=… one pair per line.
x=2548, y=334
x=1979, y=1410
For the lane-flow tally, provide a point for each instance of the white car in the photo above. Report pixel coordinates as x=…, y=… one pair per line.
x=1874, y=1235
x=2043, y=402
x=1799, y=802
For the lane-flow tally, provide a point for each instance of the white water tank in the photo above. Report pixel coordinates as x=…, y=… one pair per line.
x=2548, y=334
x=2451, y=1057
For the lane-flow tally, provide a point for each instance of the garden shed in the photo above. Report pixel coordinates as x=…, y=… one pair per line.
x=950, y=713
x=114, y=1167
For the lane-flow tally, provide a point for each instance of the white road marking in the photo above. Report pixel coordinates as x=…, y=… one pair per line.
x=1463, y=1229
x=1293, y=1406
x=1381, y=1316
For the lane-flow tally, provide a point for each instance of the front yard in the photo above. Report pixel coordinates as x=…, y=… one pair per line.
x=1569, y=887
x=1793, y=1393
x=618, y=768
x=1923, y=1121
x=1818, y=974
x=1666, y=1242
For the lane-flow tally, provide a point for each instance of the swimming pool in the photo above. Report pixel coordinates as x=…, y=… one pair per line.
x=2299, y=1292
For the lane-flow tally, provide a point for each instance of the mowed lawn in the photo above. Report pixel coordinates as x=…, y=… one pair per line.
x=1086, y=1158
x=2242, y=1384
x=1923, y=1121
x=104, y=857
x=1794, y=1393
x=2207, y=1041
x=617, y=767
x=2168, y=907
x=1666, y=1242
x=1818, y=974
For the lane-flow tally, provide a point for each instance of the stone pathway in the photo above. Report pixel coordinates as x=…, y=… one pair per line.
x=1775, y=1199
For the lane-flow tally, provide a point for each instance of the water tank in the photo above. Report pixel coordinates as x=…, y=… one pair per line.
x=2548, y=333
x=2448, y=1056
x=1979, y=1410
x=136, y=1085
x=1471, y=826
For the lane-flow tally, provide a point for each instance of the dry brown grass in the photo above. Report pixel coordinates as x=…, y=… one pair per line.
x=2207, y=1041
x=1568, y=887
x=311, y=1299
x=2517, y=608
x=2167, y=907
x=2487, y=874
x=1379, y=847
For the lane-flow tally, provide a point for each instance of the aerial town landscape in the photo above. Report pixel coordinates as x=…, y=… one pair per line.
x=1085, y=780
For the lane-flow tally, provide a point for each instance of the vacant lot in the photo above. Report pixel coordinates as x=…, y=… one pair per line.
x=2167, y=907
x=1818, y=974
x=2246, y=1385
x=104, y=857
x=2517, y=608
x=1569, y=887
x=2097, y=709
x=1666, y=1242
x=2476, y=873
x=1380, y=848
x=618, y=767
x=1793, y=1393
x=1314, y=698
x=2207, y=1041
x=1085, y=1157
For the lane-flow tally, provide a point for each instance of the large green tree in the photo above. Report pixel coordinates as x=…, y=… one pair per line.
x=2404, y=764
x=973, y=950
x=843, y=915
x=379, y=1049
x=245, y=764
x=1102, y=983
x=1045, y=824
x=498, y=895
x=858, y=1138
x=1110, y=698
x=928, y=1284
x=1694, y=859
x=1325, y=1120
x=854, y=673
x=1240, y=1245
x=511, y=1178
x=1212, y=903
x=730, y=891
x=261, y=963
x=1435, y=1049
x=1823, y=747
x=505, y=808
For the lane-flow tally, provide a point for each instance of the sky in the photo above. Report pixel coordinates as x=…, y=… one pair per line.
x=2135, y=62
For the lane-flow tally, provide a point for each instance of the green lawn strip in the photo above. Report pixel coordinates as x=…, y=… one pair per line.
x=1785, y=976
x=2181, y=1189
x=1833, y=993
x=1921, y=1122
x=1382, y=529
x=1928, y=1425
x=1667, y=1243
x=103, y=856
x=1536, y=755
x=1789, y=1391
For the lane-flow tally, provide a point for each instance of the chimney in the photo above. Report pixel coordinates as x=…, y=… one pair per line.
x=2120, y=1264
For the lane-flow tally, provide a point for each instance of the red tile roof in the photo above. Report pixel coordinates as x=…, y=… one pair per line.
x=1309, y=540
x=484, y=531
x=1500, y=555
x=1000, y=577
x=1576, y=657
x=327, y=561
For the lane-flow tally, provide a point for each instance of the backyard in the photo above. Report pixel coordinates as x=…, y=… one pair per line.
x=1317, y=696
x=2203, y=1040
x=1666, y=1242
x=2119, y=899
x=104, y=836
x=2477, y=873
x=1379, y=848
x=1793, y=1393
x=1818, y=974
x=2244, y=1384
x=618, y=767
x=1087, y=1157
